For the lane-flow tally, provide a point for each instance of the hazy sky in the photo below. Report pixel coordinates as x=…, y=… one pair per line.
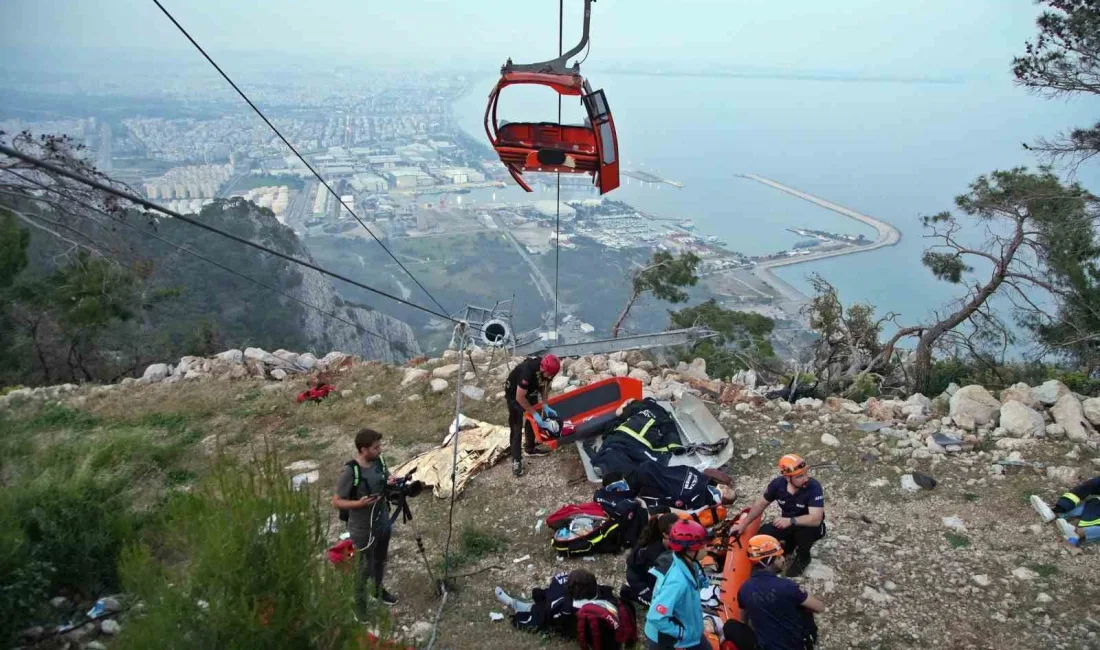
x=906, y=37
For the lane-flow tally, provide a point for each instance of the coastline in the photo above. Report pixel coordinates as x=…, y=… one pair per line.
x=888, y=235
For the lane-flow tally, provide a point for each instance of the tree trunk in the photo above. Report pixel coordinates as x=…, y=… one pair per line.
x=38, y=350
x=622, y=315
x=922, y=366
x=922, y=362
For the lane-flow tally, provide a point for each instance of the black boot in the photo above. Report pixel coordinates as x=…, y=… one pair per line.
x=797, y=566
x=517, y=467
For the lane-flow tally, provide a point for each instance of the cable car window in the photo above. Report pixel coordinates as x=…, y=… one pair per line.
x=607, y=142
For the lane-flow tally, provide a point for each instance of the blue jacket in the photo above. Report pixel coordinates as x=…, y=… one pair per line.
x=675, y=609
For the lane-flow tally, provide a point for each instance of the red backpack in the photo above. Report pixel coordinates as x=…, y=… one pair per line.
x=565, y=514
x=596, y=623
x=602, y=536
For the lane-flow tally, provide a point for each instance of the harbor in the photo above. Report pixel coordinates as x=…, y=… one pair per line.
x=647, y=177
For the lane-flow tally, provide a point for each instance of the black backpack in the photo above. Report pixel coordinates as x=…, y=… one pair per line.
x=354, y=465
x=357, y=479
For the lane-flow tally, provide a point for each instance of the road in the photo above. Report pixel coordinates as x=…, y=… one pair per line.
x=545, y=289
x=301, y=206
x=227, y=189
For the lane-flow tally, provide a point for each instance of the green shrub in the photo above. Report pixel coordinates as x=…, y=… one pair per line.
x=78, y=526
x=956, y=540
x=24, y=581
x=224, y=578
x=1077, y=381
x=863, y=386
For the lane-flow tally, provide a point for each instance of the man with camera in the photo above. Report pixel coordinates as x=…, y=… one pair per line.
x=362, y=497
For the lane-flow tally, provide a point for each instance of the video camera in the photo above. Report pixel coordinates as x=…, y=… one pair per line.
x=403, y=488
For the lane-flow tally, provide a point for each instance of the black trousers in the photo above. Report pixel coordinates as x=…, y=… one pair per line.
x=372, y=565
x=521, y=432
x=796, y=540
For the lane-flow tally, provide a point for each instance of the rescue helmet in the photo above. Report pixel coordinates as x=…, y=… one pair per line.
x=686, y=535
x=792, y=465
x=762, y=547
x=550, y=365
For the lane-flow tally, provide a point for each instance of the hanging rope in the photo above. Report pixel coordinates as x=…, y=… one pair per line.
x=460, y=334
x=557, y=212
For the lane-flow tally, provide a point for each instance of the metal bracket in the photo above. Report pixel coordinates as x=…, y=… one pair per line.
x=559, y=65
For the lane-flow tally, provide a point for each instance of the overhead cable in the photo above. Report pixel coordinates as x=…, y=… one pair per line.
x=149, y=205
x=404, y=348
x=295, y=151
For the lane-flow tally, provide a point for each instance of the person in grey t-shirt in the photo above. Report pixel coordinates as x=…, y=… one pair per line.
x=368, y=514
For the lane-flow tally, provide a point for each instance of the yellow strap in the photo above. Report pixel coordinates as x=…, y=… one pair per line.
x=640, y=436
x=1072, y=497
x=1086, y=524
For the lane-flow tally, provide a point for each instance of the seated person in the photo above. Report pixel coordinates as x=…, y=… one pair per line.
x=643, y=557
x=802, y=506
x=1081, y=503
x=554, y=609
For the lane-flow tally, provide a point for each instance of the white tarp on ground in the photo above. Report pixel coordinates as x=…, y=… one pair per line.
x=480, y=446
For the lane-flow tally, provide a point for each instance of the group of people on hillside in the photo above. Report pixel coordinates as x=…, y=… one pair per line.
x=665, y=578
x=664, y=573
x=670, y=507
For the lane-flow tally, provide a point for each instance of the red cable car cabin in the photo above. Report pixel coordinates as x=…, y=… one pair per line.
x=550, y=147
x=591, y=148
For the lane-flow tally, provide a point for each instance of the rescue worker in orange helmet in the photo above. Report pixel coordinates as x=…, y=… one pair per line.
x=527, y=385
x=802, y=512
x=779, y=611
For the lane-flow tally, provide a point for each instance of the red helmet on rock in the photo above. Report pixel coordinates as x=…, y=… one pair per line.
x=550, y=365
x=686, y=535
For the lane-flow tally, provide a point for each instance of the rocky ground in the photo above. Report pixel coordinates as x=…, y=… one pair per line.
x=965, y=564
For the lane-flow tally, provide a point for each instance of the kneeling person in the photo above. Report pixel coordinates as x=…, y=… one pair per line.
x=802, y=509
x=779, y=611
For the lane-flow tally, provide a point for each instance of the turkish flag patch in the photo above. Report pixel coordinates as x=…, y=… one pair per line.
x=662, y=610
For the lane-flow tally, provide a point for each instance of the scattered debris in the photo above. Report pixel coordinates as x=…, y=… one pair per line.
x=479, y=447
x=924, y=481
x=954, y=523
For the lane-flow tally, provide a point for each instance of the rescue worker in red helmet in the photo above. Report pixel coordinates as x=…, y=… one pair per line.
x=529, y=384
x=802, y=509
x=780, y=612
x=675, y=616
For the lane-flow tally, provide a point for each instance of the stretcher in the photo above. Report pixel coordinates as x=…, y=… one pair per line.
x=589, y=409
x=728, y=571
